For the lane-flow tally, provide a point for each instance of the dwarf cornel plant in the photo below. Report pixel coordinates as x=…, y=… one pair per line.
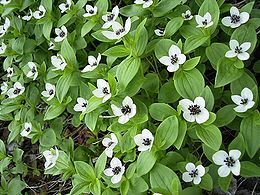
x=128, y=97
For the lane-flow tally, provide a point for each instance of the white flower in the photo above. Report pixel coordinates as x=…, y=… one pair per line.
x=174, y=59
x=28, y=16
x=187, y=15
x=3, y=48
x=194, y=111
x=59, y=62
x=4, y=88
x=39, y=13
x=10, y=72
x=90, y=11
x=243, y=102
x=17, y=90
x=229, y=162
x=110, y=144
x=118, y=30
x=204, y=21
x=81, y=105
x=127, y=111
x=238, y=50
x=103, y=90
x=51, y=45
x=145, y=3
x=33, y=70
x=65, y=6
x=92, y=63
x=27, y=130
x=61, y=34
x=5, y=2
x=49, y=92
x=110, y=18
x=4, y=27
x=193, y=173
x=144, y=141
x=116, y=170
x=51, y=157
x=235, y=19
x=159, y=32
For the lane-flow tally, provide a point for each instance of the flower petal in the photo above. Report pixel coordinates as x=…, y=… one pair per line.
x=173, y=68
x=116, y=179
x=166, y=60
x=243, y=56
x=236, y=168
x=223, y=171
x=219, y=157
x=236, y=99
x=106, y=141
x=226, y=21
x=188, y=117
x=197, y=180
x=245, y=46
x=116, y=110
x=233, y=44
x=190, y=167
x=203, y=116
x=98, y=93
x=200, y=102
x=185, y=104
x=147, y=134
x=230, y=54
x=246, y=93
x=201, y=170
x=235, y=154
x=123, y=119
x=174, y=50
x=186, y=177
x=115, y=162
x=244, y=17
x=240, y=108
x=108, y=172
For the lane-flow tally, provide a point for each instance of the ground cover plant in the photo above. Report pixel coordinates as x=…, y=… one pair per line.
x=129, y=97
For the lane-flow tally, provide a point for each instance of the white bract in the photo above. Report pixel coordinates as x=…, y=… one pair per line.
x=159, y=32
x=116, y=170
x=28, y=16
x=92, y=63
x=4, y=27
x=127, y=111
x=81, y=105
x=49, y=92
x=39, y=13
x=5, y=2
x=59, y=62
x=51, y=157
x=65, y=6
x=243, y=102
x=4, y=88
x=194, y=111
x=61, y=34
x=110, y=18
x=90, y=11
x=145, y=3
x=174, y=59
x=187, y=15
x=204, y=21
x=33, y=70
x=51, y=45
x=27, y=130
x=228, y=162
x=103, y=90
x=3, y=48
x=16, y=90
x=235, y=19
x=193, y=173
x=118, y=30
x=144, y=141
x=10, y=72
x=237, y=50
x=110, y=144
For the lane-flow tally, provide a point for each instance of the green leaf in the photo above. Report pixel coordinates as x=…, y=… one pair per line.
x=133, y=10
x=100, y=164
x=212, y=7
x=225, y=115
x=126, y=71
x=224, y=182
x=226, y=72
x=87, y=27
x=47, y=27
x=162, y=177
x=167, y=133
x=117, y=51
x=181, y=134
x=206, y=182
x=63, y=86
x=162, y=48
x=210, y=135
x=168, y=93
x=152, y=83
x=54, y=111
x=124, y=187
x=2, y=150
x=93, y=103
x=238, y=143
x=140, y=38
x=209, y=98
x=194, y=42
x=191, y=63
x=102, y=6
x=48, y=139
x=68, y=53
x=249, y=128
x=15, y=186
x=85, y=171
x=189, y=84
x=142, y=167
x=165, y=6
x=161, y=111
x=249, y=169
x=215, y=52
x=173, y=26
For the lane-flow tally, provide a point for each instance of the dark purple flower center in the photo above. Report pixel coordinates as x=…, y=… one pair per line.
x=193, y=173
x=147, y=142
x=238, y=50
x=116, y=170
x=194, y=109
x=235, y=18
x=126, y=109
x=229, y=161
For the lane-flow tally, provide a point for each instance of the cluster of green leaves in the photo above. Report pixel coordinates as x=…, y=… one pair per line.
x=132, y=68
